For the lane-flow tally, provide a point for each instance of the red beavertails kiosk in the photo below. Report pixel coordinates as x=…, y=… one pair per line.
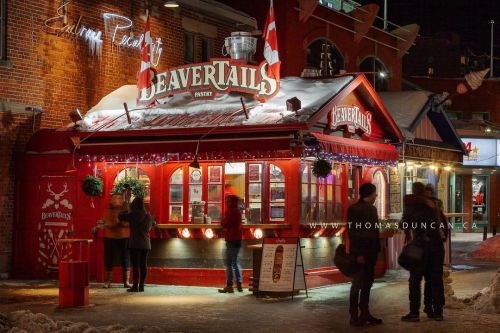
x=236, y=133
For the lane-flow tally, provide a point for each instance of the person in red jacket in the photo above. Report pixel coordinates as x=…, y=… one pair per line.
x=232, y=230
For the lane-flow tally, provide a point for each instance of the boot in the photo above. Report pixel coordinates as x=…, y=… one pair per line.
x=411, y=317
x=227, y=289
x=126, y=278
x=133, y=289
x=365, y=316
x=429, y=311
x=239, y=286
x=108, y=275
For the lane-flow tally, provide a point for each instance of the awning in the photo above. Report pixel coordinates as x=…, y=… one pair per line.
x=367, y=149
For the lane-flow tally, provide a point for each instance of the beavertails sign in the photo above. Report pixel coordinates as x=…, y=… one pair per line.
x=205, y=80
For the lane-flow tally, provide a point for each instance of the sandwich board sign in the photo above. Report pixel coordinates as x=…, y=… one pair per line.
x=282, y=268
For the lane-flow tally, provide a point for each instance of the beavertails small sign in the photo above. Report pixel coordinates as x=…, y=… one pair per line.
x=205, y=80
x=352, y=117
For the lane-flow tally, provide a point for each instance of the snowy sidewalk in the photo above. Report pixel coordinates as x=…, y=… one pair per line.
x=199, y=309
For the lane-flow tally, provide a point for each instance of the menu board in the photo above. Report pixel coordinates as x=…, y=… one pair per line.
x=281, y=268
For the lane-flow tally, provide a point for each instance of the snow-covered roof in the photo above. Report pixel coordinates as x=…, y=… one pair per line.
x=181, y=111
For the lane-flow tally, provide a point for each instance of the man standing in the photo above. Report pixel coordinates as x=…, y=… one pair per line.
x=362, y=218
x=421, y=223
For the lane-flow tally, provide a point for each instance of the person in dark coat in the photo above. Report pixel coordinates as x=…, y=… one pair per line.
x=233, y=232
x=140, y=222
x=421, y=222
x=362, y=218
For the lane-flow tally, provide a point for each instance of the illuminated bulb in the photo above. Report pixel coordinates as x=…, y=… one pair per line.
x=433, y=167
x=401, y=164
x=338, y=233
x=257, y=234
x=209, y=233
x=185, y=233
x=317, y=234
x=447, y=168
x=382, y=74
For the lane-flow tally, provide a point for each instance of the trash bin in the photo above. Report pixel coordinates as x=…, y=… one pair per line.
x=73, y=272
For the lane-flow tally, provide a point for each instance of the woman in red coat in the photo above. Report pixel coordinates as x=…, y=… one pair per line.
x=233, y=231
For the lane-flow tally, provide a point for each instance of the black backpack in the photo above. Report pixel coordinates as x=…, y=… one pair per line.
x=346, y=263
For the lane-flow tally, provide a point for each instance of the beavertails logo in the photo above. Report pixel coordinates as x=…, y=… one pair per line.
x=352, y=117
x=205, y=80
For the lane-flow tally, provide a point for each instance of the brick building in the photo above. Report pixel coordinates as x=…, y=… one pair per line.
x=42, y=68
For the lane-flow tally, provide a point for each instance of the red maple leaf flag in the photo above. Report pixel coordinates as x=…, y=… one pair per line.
x=144, y=80
x=271, y=45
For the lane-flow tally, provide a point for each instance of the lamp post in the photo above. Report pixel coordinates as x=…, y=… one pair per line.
x=492, y=22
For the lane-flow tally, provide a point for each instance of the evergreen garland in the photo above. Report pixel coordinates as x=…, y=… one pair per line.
x=321, y=168
x=92, y=186
x=137, y=187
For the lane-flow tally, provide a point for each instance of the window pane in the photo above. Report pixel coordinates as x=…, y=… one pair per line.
x=329, y=211
x=215, y=211
x=177, y=177
x=188, y=48
x=206, y=49
x=305, y=192
x=176, y=194
x=322, y=212
x=321, y=189
x=305, y=212
x=275, y=174
x=215, y=174
x=176, y=213
x=277, y=212
x=215, y=193
x=254, y=212
x=255, y=192
x=314, y=195
x=329, y=192
x=277, y=192
x=255, y=172
x=194, y=193
x=194, y=176
x=305, y=175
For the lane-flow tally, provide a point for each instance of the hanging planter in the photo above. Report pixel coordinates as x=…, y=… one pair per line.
x=321, y=168
x=138, y=188
x=92, y=186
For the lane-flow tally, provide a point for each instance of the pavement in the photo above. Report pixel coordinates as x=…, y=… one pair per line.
x=201, y=309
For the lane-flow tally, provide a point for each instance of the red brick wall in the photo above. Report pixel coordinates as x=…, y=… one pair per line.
x=59, y=74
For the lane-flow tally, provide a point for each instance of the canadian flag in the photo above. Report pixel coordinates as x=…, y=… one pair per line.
x=146, y=72
x=271, y=45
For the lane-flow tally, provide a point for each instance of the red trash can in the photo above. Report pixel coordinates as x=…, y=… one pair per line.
x=73, y=272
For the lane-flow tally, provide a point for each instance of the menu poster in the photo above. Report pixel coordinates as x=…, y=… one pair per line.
x=279, y=265
x=254, y=172
x=215, y=174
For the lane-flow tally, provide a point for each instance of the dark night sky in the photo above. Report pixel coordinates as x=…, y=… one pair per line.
x=469, y=18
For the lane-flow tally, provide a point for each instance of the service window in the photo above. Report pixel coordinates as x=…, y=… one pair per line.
x=176, y=196
x=305, y=195
x=276, y=193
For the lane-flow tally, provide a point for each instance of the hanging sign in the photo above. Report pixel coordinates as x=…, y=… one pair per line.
x=352, y=117
x=205, y=80
x=281, y=268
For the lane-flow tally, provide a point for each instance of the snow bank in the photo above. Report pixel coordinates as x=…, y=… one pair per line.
x=25, y=321
x=488, y=250
x=488, y=299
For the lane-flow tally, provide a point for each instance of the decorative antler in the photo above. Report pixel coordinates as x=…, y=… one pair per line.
x=49, y=189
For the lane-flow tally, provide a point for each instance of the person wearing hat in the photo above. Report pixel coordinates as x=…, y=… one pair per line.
x=362, y=218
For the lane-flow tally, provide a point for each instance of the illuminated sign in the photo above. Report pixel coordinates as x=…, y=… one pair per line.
x=352, y=117
x=205, y=80
x=481, y=152
x=120, y=28
x=60, y=26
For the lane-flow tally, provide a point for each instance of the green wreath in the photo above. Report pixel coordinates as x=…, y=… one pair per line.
x=321, y=168
x=92, y=186
x=138, y=188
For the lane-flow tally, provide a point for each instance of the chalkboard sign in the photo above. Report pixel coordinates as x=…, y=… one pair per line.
x=282, y=268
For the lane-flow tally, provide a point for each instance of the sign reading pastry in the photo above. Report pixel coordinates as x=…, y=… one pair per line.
x=352, y=117
x=205, y=80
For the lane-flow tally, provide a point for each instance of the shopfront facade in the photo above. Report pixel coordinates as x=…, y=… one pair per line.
x=265, y=159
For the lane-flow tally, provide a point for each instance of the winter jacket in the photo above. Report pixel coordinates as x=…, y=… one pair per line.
x=232, y=224
x=364, y=237
x=140, y=223
x=114, y=228
x=421, y=218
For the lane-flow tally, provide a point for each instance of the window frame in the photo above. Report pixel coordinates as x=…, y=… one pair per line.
x=205, y=41
x=481, y=113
